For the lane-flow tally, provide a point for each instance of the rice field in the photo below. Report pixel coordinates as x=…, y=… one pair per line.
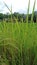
x=18, y=43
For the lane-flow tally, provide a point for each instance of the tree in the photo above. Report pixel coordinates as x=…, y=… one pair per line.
x=1, y=16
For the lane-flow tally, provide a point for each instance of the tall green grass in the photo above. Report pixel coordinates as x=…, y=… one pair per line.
x=18, y=42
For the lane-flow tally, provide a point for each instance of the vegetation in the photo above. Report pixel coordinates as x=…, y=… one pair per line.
x=18, y=16
x=18, y=44
x=18, y=41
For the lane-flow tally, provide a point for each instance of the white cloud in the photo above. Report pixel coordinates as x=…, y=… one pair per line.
x=18, y=5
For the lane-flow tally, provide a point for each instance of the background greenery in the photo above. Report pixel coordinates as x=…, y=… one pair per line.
x=6, y=17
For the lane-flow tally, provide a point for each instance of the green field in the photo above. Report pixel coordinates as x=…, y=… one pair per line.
x=18, y=43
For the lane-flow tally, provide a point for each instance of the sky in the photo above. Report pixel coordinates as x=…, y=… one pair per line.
x=17, y=6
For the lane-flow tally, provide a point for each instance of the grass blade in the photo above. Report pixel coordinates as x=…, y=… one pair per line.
x=33, y=10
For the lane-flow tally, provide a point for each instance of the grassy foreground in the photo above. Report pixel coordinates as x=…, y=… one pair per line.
x=18, y=43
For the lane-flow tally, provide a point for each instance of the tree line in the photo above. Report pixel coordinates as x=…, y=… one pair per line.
x=17, y=16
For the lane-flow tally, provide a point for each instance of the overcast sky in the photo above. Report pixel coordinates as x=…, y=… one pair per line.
x=17, y=5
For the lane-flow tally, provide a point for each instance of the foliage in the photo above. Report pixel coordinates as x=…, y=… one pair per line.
x=18, y=16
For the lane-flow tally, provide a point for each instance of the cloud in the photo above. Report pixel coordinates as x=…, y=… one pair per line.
x=17, y=5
